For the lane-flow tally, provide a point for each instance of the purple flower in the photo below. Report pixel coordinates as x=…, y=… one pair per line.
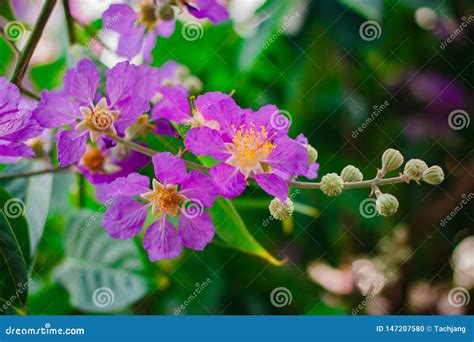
x=249, y=144
x=175, y=193
x=16, y=124
x=139, y=29
x=80, y=104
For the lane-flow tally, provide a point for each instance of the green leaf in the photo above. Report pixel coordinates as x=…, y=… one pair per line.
x=100, y=273
x=273, y=13
x=13, y=244
x=37, y=198
x=232, y=230
x=369, y=9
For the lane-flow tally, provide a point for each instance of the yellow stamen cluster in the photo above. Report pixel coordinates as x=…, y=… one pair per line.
x=251, y=146
x=93, y=159
x=164, y=199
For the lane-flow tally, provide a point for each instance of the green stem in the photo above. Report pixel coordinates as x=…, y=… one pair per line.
x=27, y=53
x=352, y=185
x=32, y=173
x=69, y=22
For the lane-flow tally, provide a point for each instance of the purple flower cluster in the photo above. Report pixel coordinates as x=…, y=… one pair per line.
x=246, y=145
x=139, y=27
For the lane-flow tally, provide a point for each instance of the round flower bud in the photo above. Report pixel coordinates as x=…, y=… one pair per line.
x=281, y=211
x=434, y=175
x=386, y=204
x=166, y=13
x=391, y=160
x=332, y=184
x=351, y=174
x=312, y=153
x=414, y=169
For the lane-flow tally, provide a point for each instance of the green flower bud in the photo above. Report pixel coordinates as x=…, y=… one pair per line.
x=351, y=174
x=166, y=13
x=312, y=154
x=281, y=211
x=434, y=175
x=386, y=204
x=391, y=160
x=414, y=169
x=332, y=184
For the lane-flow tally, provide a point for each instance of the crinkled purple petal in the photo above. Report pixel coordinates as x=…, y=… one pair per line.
x=147, y=81
x=55, y=110
x=24, y=129
x=229, y=181
x=200, y=187
x=288, y=157
x=71, y=146
x=10, y=151
x=124, y=218
x=169, y=169
x=223, y=109
x=119, y=18
x=173, y=106
x=130, y=109
x=169, y=72
x=131, y=43
x=209, y=9
x=149, y=42
x=9, y=97
x=196, y=231
x=120, y=82
x=133, y=185
x=165, y=28
x=162, y=241
x=273, y=185
x=82, y=81
x=206, y=141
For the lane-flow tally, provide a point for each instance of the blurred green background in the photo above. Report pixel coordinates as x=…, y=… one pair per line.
x=312, y=59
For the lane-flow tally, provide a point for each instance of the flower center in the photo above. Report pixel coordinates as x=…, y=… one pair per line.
x=93, y=159
x=99, y=119
x=148, y=14
x=250, y=147
x=164, y=199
